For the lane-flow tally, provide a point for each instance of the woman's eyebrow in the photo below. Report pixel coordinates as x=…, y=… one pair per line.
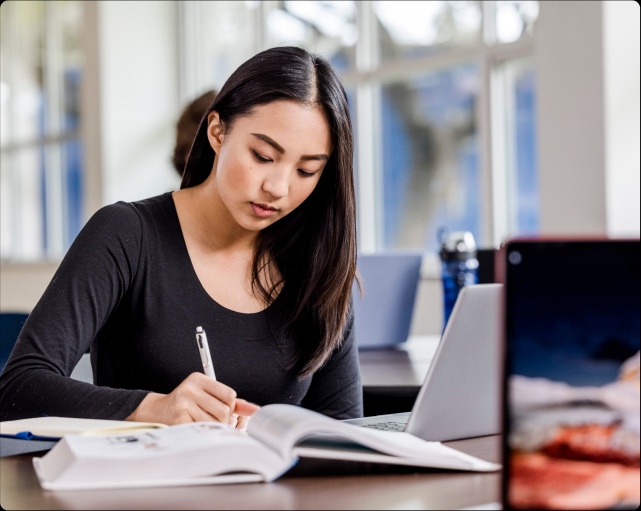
x=281, y=149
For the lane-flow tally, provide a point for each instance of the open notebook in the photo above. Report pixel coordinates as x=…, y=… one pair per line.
x=53, y=428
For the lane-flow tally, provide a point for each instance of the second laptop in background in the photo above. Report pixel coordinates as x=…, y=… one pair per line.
x=383, y=315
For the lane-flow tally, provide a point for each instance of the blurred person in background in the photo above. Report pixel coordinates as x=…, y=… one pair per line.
x=187, y=126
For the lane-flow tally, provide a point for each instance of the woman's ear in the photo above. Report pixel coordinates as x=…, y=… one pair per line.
x=215, y=133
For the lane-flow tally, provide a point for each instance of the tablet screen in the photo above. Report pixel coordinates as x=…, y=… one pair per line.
x=571, y=399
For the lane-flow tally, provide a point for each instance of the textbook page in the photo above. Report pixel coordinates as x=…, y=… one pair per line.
x=186, y=454
x=291, y=429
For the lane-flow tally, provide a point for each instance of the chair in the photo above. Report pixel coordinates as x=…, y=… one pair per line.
x=382, y=318
x=10, y=326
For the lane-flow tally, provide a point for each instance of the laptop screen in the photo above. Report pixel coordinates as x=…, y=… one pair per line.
x=571, y=399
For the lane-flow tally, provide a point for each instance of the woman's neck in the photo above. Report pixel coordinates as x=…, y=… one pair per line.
x=208, y=222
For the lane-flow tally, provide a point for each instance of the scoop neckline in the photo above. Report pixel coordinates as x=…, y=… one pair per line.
x=194, y=276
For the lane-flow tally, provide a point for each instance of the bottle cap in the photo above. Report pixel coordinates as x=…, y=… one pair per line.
x=458, y=245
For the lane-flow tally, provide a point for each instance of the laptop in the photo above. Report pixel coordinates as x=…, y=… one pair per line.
x=460, y=397
x=383, y=315
x=571, y=399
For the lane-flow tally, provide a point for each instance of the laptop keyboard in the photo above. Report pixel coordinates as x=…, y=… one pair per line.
x=387, y=426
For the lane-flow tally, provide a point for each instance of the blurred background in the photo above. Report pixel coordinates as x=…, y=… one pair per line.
x=503, y=118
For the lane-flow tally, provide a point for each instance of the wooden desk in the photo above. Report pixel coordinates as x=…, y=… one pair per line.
x=312, y=484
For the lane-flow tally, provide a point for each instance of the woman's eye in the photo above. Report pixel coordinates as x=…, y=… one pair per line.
x=304, y=173
x=260, y=158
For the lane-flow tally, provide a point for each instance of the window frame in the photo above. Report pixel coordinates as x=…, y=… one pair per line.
x=49, y=145
x=498, y=220
x=496, y=172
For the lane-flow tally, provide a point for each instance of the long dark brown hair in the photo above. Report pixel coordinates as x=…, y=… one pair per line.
x=314, y=247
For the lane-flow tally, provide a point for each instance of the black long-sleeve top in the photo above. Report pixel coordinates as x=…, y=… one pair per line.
x=127, y=290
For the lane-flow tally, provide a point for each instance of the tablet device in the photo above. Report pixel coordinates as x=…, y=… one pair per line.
x=571, y=393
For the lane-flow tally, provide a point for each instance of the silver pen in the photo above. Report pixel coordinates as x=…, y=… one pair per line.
x=205, y=355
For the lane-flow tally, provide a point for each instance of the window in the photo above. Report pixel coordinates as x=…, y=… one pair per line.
x=41, y=160
x=412, y=29
x=328, y=28
x=518, y=131
x=430, y=168
x=215, y=38
x=443, y=102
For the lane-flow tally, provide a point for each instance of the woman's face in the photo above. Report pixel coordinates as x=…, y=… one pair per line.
x=270, y=161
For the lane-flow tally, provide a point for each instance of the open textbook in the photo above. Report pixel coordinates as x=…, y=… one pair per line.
x=51, y=428
x=213, y=453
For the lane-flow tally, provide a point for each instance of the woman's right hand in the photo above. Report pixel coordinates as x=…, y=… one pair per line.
x=197, y=398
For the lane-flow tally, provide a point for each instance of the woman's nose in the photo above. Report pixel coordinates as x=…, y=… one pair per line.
x=277, y=183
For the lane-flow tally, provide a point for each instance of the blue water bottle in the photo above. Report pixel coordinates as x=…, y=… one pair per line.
x=459, y=266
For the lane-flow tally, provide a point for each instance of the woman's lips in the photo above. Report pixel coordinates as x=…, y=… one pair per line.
x=263, y=210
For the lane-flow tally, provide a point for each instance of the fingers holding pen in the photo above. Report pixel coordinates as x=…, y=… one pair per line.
x=213, y=398
x=225, y=407
x=197, y=398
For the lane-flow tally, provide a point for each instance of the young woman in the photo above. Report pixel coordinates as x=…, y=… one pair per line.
x=258, y=247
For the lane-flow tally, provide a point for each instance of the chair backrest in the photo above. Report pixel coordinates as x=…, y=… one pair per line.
x=383, y=317
x=10, y=325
